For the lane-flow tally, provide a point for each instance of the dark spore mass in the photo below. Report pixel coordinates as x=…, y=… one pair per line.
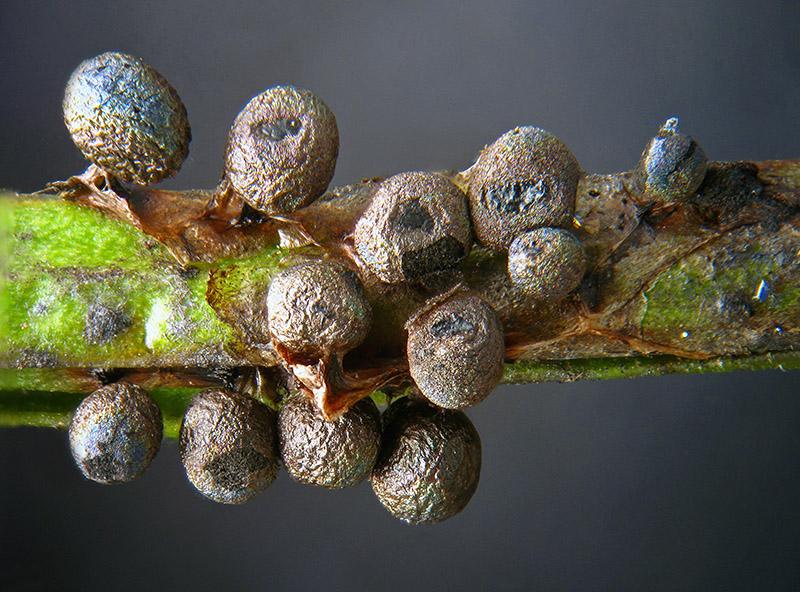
x=445, y=252
x=275, y=131
x=450, y=326
x=32, y=358
x=188, y=272
x=230, y=470
x=250, y=216
x=293, y=126
x=320, y=309
x=517, y=197
x=106, y=375
x=117, y=460
x=107, y=464
x=414, y=217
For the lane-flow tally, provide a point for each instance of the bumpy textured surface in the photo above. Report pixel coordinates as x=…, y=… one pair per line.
x=455, y=351
x=672, y=166
x=526, y=179
x=546, y=263
x=333, y=454
x=282, y=150
x=126, y=118
x=228, y=446
x=318, y=308
x=115, y=433
x=416, y=224
x=430, y=462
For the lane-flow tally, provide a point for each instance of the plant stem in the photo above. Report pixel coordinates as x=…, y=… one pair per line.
x=710, y=285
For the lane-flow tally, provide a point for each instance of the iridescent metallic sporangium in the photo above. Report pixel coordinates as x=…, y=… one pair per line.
x=228, y=445
x=282, y=150
x=126, y=118
x=115, y=433
x=333, y=454
x=525, y=179
x=318, y=309
x=456, y=350
x=416, y=224
x=546, y=263
x=673, y=165
x=430, y=462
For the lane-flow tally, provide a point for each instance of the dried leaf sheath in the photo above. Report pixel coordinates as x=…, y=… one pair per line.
x=670, y=289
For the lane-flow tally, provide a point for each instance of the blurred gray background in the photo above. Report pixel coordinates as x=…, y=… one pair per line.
x=676, y=483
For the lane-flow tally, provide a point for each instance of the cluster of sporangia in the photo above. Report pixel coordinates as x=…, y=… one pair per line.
x=423, y=456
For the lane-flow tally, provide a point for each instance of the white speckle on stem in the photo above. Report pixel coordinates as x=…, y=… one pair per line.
x=156, y=323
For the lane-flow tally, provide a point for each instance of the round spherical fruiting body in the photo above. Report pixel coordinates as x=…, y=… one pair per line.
x=228, y=446
x=334, y=454
x=672, y=167
x=546, y=263
x=526, y=179
x=126, y=118
x=115, y=432
x=416, y=224
x=318, y=308
x=429, y=464
x=282, y=150
x=455, y=351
